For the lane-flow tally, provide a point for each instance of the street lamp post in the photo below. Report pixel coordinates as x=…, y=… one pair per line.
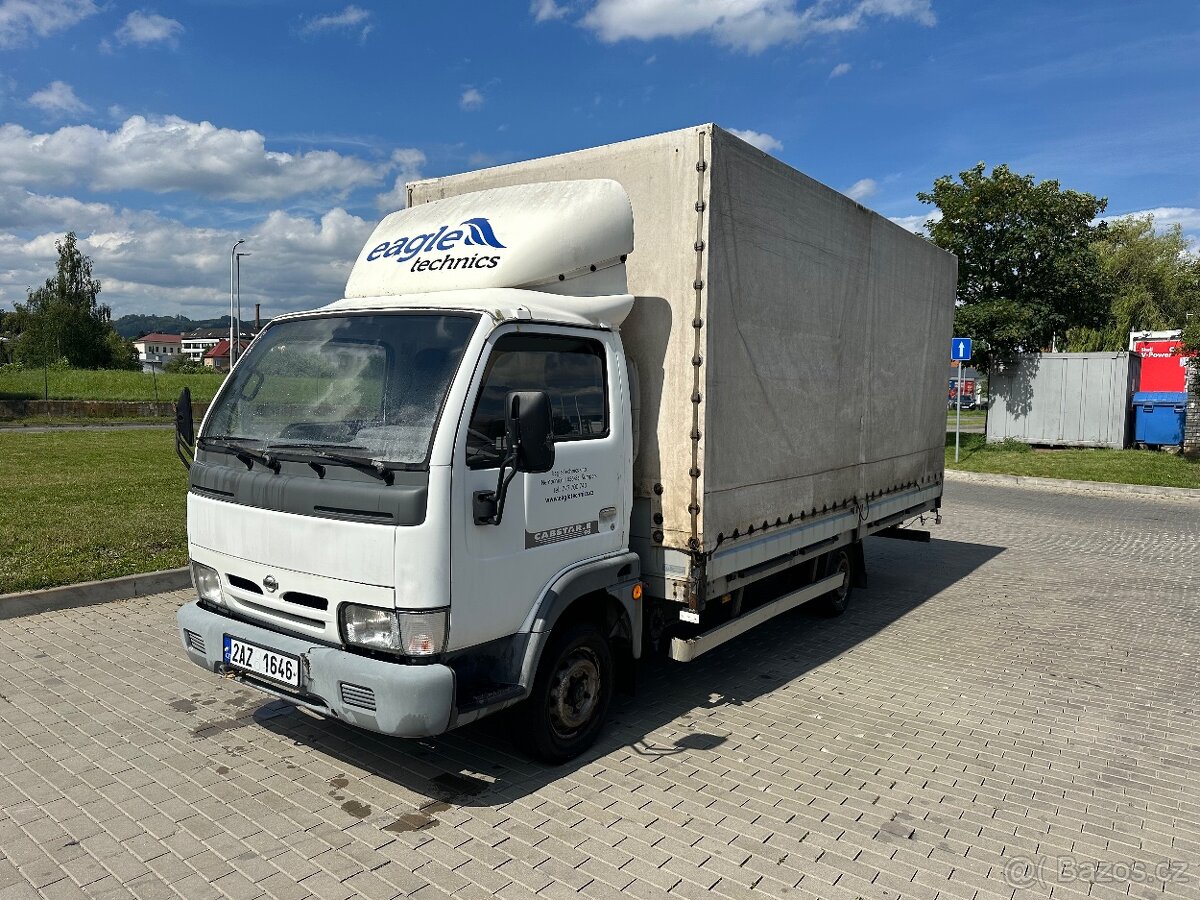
x=232, y=319
x=238, y=291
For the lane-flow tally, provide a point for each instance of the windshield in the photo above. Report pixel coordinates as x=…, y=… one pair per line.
x=371, y=385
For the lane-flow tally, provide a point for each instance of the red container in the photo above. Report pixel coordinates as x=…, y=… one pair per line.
x=1163, y=367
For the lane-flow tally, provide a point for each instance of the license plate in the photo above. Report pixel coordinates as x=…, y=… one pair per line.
x=261, y=661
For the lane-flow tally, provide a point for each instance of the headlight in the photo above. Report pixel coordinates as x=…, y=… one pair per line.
x=207, y=582
x=370, y=626
x=411, y=633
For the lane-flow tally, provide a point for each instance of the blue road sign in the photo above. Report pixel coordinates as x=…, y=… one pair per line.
x=960, y=349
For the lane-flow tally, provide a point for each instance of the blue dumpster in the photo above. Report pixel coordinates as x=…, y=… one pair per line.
x=1159, y=417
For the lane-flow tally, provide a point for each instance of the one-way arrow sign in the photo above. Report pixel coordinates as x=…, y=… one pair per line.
x=960, y=349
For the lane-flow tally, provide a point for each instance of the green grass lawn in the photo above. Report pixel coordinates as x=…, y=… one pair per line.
x=1123, y=466
x=104, y=384
x=84, y=505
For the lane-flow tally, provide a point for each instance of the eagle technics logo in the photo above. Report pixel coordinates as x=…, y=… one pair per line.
x=477, y=232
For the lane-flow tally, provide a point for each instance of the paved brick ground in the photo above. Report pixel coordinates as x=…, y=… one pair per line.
x=1009, y=705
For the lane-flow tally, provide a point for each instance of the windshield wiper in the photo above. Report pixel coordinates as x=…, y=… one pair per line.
x=244, y=454
x=361, y=463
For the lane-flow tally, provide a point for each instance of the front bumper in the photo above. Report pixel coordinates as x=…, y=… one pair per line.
x=388, y=697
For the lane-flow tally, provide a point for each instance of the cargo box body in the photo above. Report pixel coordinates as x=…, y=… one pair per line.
x=790, y=345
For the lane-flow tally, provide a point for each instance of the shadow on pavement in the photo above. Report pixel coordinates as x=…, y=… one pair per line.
x=478, y=766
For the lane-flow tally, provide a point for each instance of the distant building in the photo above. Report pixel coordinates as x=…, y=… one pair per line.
x=197, y=343
x=217, y=356
x=155, y=350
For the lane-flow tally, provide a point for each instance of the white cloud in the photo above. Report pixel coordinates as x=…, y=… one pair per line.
x=831, y=16
x=916, y=224
x=746, y=24
x=22, y=20
x=760, y=139
x=26, y=210
x=297, y=262
x=840, y=69
x=408, y=163
x=146, y=28
x=750, y=25
x=348, y=19
x=58, y=98
x=862, y=189
x=471, y=100
x=546, y=10
x=1187, y=217
x=160, y=261
x=174, y=154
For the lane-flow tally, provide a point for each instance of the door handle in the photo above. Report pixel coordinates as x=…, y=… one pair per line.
x=608, y=512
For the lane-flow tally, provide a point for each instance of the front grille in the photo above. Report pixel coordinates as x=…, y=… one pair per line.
x=358, y=696
x=194, y=640
x=309, y=600
x=278, y=615
x=244, y=584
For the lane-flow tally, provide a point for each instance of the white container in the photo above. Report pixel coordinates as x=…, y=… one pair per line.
x=1064, y=399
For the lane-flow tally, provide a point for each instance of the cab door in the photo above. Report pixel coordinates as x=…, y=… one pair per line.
x=577, y=511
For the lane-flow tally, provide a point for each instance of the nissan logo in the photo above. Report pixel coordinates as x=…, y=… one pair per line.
x=271, y=584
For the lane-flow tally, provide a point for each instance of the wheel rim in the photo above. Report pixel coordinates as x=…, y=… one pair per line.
x=843, y=567
x=574, y=692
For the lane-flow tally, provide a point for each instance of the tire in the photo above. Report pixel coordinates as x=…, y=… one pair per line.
x=835, y=602
x=574, y=684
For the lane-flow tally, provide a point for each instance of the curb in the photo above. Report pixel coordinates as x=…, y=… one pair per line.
x=90, y=592
x=1062, y=484
x=35, y=428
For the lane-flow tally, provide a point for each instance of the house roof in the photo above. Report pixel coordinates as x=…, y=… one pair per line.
x=159, y=338
x=221, y=349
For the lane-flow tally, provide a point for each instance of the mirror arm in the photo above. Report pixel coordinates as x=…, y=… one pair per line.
x=502, y=494
x=179, y=451
x=488, y=506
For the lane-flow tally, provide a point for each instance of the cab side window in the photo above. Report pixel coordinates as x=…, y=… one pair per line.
x=571, y=372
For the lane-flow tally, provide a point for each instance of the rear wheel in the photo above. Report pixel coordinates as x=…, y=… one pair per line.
x=566, y=710
x=835, y=602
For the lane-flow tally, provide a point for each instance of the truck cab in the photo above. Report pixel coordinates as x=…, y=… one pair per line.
x=395, y=500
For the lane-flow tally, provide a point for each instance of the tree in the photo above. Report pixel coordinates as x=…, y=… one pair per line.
x=63, y=319
x=1154, y=282
x=1027, y=268
x=182, y=365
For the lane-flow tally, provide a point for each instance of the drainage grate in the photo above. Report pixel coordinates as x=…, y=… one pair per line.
x=358, y=696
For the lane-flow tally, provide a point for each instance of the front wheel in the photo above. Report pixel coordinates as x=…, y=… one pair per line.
x=574, y=684
x=835, y=602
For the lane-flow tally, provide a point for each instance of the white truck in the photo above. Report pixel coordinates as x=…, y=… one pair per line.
x=570, y=411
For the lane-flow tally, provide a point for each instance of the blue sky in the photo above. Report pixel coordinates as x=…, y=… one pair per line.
x=162, y=133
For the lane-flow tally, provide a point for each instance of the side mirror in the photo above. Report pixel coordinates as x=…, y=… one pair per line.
x=529, y=437
x=185, y=429
x=530, y=431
